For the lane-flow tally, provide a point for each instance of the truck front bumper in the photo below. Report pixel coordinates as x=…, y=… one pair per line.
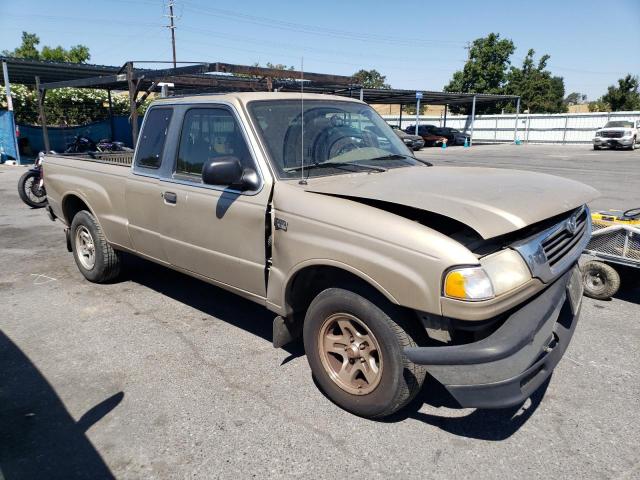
x=505, y=368
x=613, y=142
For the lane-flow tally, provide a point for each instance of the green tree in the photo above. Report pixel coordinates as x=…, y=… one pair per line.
x=539, y=91
x=575, y=98
x=277, y=66
x=371, y=79
x=29, y=49
x=599, y=106
x=485, y=70
x=625, y=96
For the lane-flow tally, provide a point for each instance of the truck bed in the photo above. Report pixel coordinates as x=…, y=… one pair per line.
x=99, y=180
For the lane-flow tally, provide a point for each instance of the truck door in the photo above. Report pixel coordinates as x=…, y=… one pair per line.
x=214, y=231
x=143, y=187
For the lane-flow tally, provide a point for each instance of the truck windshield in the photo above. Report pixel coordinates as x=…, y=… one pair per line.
x=335, y=134
x=619, y=124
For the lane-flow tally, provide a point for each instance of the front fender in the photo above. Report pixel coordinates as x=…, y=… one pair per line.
x=402, y=259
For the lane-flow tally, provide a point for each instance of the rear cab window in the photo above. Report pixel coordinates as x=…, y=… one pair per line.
x=152, y=140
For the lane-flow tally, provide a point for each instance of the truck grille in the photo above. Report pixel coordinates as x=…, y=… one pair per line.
x=557, y=245
x=551, y=252
x=612, y=134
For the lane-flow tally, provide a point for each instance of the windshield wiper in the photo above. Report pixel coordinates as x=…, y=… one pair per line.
x=312, y=166
x=397, y=156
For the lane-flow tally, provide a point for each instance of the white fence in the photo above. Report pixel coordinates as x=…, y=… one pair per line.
x=534, y=128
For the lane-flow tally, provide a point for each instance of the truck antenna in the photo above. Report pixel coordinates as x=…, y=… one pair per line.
x=302, y=181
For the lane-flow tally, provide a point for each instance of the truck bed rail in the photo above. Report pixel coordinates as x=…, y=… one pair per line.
x=113, y=158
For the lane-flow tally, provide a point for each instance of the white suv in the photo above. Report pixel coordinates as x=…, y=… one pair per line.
x=618, y=133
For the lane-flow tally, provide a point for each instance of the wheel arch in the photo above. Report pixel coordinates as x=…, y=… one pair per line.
x=72, y=203
x=310, y=278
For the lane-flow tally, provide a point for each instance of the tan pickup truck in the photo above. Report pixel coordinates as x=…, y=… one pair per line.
x=388, y=267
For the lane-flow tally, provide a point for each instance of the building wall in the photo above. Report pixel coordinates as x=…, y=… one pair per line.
x=393, y=109
x=580, y=108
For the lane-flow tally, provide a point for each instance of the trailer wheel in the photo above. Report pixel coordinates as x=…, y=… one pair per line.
x=601, y=281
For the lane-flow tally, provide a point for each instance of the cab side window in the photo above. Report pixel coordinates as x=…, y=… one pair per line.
x=153, y=138
x=208, y=133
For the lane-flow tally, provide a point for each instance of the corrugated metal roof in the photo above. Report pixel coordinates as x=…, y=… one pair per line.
x=223, y=77
x=24, y=71
x=408, y=97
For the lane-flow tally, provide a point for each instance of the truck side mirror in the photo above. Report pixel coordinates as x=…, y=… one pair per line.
x=228, y=171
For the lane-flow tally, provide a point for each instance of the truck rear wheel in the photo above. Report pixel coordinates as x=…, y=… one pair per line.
x=95, y=258
x=355, y=351
x=601, y=281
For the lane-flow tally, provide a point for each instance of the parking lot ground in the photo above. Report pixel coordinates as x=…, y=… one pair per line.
x=614, y=173
x=162, y=376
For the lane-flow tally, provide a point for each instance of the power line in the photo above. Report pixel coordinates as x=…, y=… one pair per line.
x=312, y=29
x=286, y=47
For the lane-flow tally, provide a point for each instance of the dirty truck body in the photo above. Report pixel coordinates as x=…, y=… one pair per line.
x=388, y=267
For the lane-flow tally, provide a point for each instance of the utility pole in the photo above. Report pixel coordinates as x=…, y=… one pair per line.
x=468, y=49
x=172, y=27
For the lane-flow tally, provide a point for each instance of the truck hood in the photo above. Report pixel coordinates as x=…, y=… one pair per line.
x=491, y=201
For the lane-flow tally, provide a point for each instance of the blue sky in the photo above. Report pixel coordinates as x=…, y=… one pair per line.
x=415, y=44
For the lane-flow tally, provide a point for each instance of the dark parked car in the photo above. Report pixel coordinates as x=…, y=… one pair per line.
x=453, y=136
x=426, y=132
x=414, y=142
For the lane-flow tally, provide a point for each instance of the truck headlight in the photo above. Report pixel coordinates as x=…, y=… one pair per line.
x=499, y=273
x=597, y=134
x=506, y=269
x=468, y=283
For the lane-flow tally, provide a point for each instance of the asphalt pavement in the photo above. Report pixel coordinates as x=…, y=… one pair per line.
x=162, y=376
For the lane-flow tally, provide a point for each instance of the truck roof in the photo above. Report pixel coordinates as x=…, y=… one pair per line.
x=245, y=97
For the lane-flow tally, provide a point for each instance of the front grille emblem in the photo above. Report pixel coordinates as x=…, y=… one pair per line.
x=572, y=224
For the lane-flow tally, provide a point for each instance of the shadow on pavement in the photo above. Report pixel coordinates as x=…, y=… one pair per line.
x=251, y=317
x=38, y=436
x=209, y=299
x=482, y=424
x=630, y=284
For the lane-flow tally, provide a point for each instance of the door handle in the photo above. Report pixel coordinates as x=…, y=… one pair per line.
x=170, y=197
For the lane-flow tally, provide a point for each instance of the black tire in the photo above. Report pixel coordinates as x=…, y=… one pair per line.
x=399, y=379
x=595, y=147
x=26, y=182
x=106, y=264
x=601, y=281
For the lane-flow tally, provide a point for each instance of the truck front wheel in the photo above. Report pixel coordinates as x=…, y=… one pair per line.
x=356, y=352
x=96, y=259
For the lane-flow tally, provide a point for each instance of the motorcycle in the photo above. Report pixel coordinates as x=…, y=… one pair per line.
x=31, y=185
x=106, y=145
x=82, y=144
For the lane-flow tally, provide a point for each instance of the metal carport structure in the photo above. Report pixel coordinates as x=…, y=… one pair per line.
x=192, y=78
x=218, y=77
x=408, y=97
